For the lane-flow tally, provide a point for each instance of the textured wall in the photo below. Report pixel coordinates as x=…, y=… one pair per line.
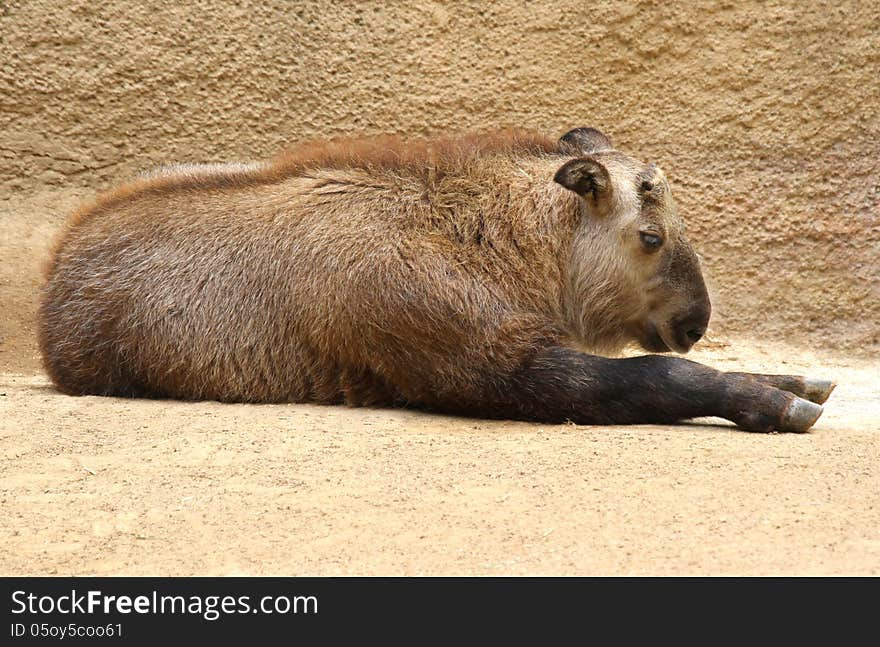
x=764, y=115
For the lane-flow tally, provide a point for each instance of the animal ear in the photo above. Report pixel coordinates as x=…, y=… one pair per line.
x=583, y=141
x=585, y=176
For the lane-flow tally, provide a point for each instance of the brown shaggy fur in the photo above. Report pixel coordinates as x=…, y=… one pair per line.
x=452, y=273
x=428, y=157
x=353, y=269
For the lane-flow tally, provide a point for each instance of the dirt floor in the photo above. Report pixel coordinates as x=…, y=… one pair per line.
x=104, y=486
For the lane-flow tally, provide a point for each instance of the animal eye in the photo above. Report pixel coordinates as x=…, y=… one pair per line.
x=651, y=241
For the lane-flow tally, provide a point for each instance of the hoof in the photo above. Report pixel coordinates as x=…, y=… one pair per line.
x=818, y=390
x=801, y=415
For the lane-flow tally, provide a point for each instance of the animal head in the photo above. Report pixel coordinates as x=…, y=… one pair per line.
x=633, y=275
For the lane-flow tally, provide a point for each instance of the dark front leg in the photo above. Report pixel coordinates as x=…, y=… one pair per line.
x=561, y=384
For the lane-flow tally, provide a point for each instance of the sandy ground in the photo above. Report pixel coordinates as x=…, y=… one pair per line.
x=109, y=486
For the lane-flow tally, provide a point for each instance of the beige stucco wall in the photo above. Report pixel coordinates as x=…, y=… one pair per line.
x=766, y=116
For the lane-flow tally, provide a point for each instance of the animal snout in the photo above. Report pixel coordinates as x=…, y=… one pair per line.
x=695, y=334
x=691, y=329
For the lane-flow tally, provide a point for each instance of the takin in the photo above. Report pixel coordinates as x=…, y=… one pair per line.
x=492, y=275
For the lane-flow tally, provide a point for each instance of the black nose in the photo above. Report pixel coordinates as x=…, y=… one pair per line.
x=695, y=334
x=691, y=328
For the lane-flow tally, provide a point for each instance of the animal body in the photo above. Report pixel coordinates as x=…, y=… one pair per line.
x=487, y=275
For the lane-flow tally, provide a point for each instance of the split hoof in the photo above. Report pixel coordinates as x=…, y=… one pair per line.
x=801, y=415
x=818, y=390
